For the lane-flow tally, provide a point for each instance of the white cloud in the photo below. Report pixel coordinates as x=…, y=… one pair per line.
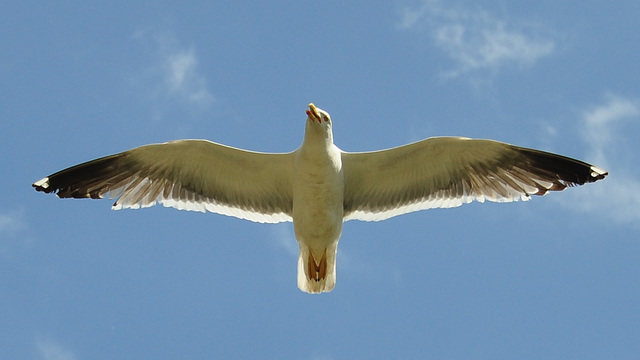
x=50, y=349
x=11, y=222
x=173, y=73
x=182, y=78
x=285, y=239
x=600, y=124
x=606, y=129
x=14, y=236
x=477, y=40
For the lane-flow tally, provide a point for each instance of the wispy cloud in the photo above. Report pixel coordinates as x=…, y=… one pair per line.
x=13, y=233
x=11, y=222
x=354, y=265
x=600, y=124
x=605, y=130
x=50, y=349
x=284, y=238
x=173, y=72
x=477, y=39
x=180, y=72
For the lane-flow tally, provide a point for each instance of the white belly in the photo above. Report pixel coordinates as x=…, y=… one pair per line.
x=318, y=202
x=317, y=217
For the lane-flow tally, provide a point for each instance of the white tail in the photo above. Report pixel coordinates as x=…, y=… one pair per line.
x=317, y=275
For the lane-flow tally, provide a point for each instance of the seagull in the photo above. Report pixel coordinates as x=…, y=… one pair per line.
x=318, y=186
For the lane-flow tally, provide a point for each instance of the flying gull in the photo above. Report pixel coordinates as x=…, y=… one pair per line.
x=318, y=186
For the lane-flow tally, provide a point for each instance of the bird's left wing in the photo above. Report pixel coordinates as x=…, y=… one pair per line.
x=450, y=171
x=186, y=174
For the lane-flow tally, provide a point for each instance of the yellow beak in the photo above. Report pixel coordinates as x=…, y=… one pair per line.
x=313, y=112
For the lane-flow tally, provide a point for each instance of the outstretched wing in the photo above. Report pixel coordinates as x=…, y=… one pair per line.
x=187, y=174
x=445, y=172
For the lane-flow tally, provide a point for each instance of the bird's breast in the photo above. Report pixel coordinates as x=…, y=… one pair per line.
x=318, y=198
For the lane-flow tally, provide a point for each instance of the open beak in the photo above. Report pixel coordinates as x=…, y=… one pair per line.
x=312, y=113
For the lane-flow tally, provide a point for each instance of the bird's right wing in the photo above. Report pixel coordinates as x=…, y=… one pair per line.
x=186, y=174
x=450, y=171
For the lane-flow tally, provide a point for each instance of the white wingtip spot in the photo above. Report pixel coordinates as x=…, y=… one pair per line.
x=596, y=171
x=43, y=183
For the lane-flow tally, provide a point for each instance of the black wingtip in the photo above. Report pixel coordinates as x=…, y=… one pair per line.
x=74, y=182
x=571, y=171
x=42, y=185
x=598, y=173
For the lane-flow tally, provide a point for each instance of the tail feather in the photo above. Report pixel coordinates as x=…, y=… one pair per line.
x=316, y=275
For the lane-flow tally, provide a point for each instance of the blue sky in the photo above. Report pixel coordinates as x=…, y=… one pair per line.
x=555, y=277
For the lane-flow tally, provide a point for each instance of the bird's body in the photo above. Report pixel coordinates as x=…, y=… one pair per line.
x=318, y=193
x=319, y=186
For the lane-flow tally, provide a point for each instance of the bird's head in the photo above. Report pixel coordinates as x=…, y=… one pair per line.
x=318, y=115
x=319, y=122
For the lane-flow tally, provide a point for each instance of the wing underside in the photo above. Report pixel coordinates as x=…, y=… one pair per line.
x=196, y=175
x=447, y=172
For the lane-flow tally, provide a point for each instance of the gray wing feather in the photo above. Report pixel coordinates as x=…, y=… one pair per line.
x=450, y=171
x=187, y=174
